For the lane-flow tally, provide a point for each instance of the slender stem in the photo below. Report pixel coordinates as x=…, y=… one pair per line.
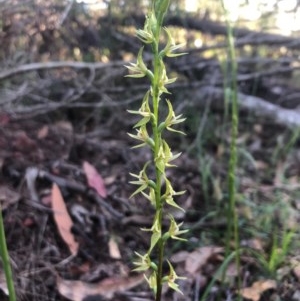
x=158, y=174
x=233, y=224
x=161, y=247
x=5, y=260
x=157, y=143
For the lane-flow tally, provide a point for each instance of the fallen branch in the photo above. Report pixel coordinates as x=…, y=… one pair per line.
x=286, y=117
x=243, y=36
x=54, y=65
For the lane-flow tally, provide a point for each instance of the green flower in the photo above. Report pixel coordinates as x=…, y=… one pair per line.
x=142, y=180
x=171, y=47
x=164, y=80
x=150, y=196
x=144, y=262
x=139, y=69
x=144, y=111
x=171, y=278
x=146, y=35
x=173, y=119
x=156, y=232
x=152, y=281
x=165, y=156
x=142, y=135
x=174, y=230
x=169, y=193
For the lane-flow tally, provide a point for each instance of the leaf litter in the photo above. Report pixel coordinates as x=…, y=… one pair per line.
x=98, y=237
x=63, y=220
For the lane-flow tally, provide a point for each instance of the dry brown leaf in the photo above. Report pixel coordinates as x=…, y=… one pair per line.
x=231, y=270
x=296, y=271
x=94, y=179
x=43, y=132
x=110, y=180
x=77, y=290
x=179, y=257
x=261, y=165
x=254, y=243
x=113, y=247
x=198, y=258
x=255, y=291
x=62, y=219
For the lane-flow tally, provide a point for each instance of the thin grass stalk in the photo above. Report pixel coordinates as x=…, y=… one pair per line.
x=220, y=271
x=5, y=261
x=233, y=216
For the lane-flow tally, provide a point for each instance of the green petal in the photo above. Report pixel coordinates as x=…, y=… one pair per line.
x=142, y=122
x=143, y=187
x=171, y=202
x=154, y=239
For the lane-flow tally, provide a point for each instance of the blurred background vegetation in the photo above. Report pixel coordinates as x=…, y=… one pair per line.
x=40, y=32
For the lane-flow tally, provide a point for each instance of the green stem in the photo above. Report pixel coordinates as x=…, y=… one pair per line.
x=160, y=269
x=157, y=143
x=6, y=262
x=233, y=220
x=158, y=174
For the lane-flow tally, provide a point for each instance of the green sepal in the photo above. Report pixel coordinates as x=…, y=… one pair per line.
x=169, y=193
x=164, y=80
x=142, y=122
x=142, y=180
x=139, y=69
x=152, y=281
x=142, y=135
x=172, y=277
x=156, y=232
x=144, y=264
x=140, y=189
x=154, y=240
x=159, y=163
x=173, y=119
x=150, y=197
x=144, y=111
x=170, y=201
x=171, y=47
x=174, y=229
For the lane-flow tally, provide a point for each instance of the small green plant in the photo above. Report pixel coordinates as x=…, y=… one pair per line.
x=5, y=261
x=280, y=250
x=149, y=131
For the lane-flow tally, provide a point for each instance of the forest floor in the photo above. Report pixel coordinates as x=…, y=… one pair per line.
x=86, y=252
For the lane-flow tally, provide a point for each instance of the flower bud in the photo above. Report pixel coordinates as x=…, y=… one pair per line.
x=161, y=8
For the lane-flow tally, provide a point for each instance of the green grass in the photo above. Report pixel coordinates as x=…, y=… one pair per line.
x=5, y=261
